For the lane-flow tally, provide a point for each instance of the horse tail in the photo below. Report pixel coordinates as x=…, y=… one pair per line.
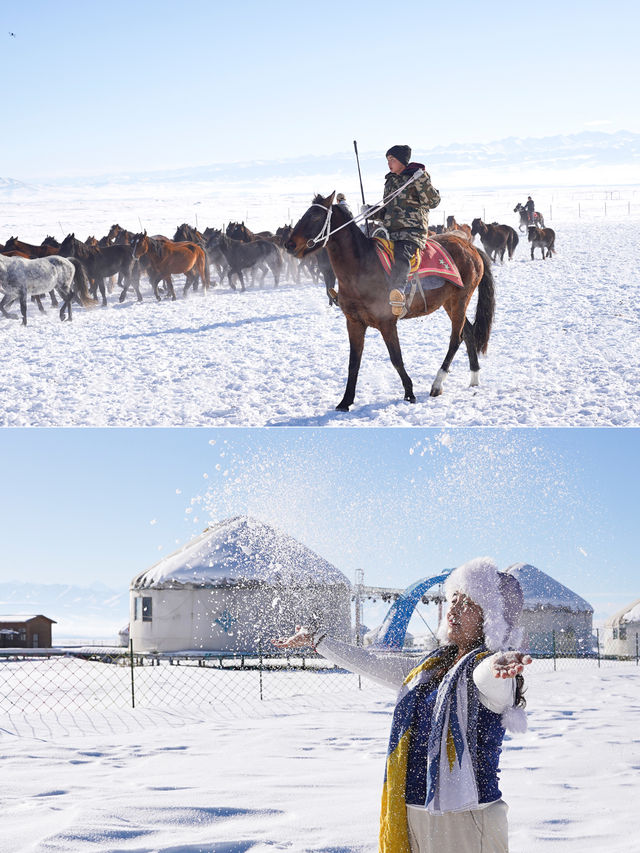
x=486, y=305
x=81, y=284
x=204, y=264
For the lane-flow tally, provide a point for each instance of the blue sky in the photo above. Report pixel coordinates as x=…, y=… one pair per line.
x=87, y=506
x=136, y=85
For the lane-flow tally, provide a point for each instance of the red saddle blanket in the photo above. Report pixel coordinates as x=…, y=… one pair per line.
x=433, y=260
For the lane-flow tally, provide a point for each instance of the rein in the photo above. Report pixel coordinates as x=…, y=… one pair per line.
x=326, y=232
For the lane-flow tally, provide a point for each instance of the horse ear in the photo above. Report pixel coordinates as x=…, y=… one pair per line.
x=329, y=199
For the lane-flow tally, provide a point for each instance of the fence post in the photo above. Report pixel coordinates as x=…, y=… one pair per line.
x=598, y=645
x=133, y=689
x=579, y=214
x=636, y=648
x=260, y=666
x=553, y=636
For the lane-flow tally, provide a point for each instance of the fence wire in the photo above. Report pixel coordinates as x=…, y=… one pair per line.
x=90, y=680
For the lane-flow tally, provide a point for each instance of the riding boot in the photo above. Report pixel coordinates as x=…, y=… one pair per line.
x=403, y=250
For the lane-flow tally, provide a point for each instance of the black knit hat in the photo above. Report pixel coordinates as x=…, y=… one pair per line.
x=400, y=152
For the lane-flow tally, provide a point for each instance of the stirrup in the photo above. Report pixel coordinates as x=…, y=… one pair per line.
x=397, y=301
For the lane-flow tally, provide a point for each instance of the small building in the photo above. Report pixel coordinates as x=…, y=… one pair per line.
x=25, y=631
x=233, y=588
x=622, y=632
x=553, y=616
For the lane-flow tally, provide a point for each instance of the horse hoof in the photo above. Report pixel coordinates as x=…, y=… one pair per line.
x=410, y=398
x=342, y=407
x=435, y=392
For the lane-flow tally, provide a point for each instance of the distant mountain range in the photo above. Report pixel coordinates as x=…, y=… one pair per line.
x=605, y=157
x=95, y=611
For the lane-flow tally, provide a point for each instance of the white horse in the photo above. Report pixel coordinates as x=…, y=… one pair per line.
x=21, y=278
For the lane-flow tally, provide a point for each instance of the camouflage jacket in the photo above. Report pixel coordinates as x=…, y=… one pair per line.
x=406, y=217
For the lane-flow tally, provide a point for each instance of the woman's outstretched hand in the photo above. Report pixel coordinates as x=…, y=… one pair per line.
x=302, y=637
x=509, y=664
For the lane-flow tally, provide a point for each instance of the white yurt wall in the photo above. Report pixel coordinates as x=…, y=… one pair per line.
x=553, y=613
x=234, y=587
x=621, y=630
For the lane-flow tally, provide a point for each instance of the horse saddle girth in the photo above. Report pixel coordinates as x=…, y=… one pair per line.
x=433, y=260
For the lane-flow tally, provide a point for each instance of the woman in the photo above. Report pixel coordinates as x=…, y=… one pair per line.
x=440, y=792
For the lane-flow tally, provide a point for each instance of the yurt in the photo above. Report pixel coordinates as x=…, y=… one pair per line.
x=553, y=614
x=234, y=587
x=622, y=632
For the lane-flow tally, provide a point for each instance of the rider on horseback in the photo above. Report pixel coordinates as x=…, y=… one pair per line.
x=531, y=210
x=406, y=217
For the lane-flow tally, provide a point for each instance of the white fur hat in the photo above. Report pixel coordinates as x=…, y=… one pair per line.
x=497, y=593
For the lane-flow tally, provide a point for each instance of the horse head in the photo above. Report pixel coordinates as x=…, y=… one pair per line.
x=139, y=244
x=308, y=229
x=478, y=226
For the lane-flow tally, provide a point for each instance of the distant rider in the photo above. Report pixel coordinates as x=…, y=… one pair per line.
x=531, y=210
x=406, y=217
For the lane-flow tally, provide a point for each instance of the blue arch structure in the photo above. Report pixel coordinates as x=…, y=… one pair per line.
x=394, y=626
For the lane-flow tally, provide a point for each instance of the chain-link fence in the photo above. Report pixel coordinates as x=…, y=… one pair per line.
x=41, y=681
x=99, y=679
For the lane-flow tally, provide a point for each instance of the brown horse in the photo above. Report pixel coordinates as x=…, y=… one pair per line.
x=164, y=258
x=542, y=238
x=496, y=239
x=452, y=225
x=364, y=293
x=28, y=250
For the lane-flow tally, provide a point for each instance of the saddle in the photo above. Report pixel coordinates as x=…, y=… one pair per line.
x=428, y=263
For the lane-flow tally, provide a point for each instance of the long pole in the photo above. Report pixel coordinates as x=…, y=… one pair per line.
x=355, y=148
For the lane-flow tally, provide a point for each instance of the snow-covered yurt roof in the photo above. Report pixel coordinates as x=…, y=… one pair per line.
x=630, y=613
x=240, y=551
x=541, y=590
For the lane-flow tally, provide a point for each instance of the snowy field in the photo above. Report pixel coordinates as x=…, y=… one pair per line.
x=563, y=351
x=304, y=777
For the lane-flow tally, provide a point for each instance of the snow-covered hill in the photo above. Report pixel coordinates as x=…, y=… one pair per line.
x=581, y=158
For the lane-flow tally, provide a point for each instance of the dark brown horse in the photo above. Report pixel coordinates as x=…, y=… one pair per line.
x=542, y=238
x=239, y=231
x=164, y=258
x=495, y=238
x=364, y=293
x=242, y=256
x=104, y=262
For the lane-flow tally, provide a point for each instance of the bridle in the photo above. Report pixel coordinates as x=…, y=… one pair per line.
x=326, y=232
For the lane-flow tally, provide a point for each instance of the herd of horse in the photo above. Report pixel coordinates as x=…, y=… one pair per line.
x=324, y=242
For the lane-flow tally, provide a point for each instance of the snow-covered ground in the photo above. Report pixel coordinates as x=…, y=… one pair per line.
x=563, y=351
x=307, y=776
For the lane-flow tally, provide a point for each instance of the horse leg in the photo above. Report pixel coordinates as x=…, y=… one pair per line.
x=23, y=305
x=170, y=291
x=472, y=351
x=7, y=300
x=356, y=331
x=39, y=304
x=66, y=303
x=457, y=316
x=390, y=335
x=100, y=285
x=52, y=297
